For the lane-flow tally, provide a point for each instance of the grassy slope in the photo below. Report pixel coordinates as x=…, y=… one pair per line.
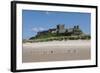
x=51, y=37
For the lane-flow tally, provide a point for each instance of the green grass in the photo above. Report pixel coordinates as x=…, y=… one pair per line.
x=53, y=37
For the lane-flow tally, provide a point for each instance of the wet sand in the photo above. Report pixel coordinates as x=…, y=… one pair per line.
x=56, y=51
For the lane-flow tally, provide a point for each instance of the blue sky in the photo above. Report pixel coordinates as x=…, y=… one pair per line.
x=34, y=21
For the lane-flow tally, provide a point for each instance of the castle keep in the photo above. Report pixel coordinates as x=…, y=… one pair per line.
x=60, y=29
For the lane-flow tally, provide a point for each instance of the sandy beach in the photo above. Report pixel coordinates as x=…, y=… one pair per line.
x=56, y=51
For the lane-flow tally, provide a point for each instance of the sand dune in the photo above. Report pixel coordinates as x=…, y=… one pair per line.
x=56, y=51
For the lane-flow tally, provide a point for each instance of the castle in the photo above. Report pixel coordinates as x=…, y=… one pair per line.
x=60, y=29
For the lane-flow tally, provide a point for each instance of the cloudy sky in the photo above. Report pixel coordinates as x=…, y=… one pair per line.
x=35, y=21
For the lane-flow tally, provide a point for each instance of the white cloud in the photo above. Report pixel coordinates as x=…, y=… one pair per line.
x=41, y=29
x=37, y=29
x=47, y=12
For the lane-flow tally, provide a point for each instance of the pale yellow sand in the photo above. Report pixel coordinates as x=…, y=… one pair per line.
x=56, y=51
